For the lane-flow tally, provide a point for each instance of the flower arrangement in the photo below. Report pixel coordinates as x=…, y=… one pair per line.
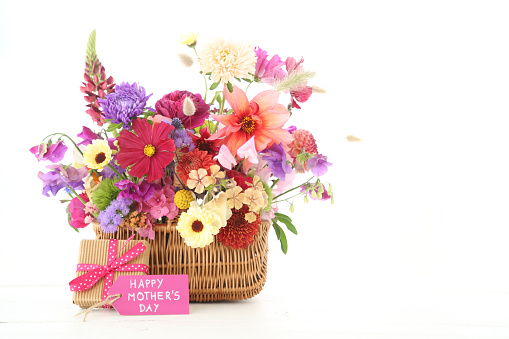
x=219, y=165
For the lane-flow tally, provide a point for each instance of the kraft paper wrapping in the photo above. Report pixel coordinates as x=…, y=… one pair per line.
x=96, y=252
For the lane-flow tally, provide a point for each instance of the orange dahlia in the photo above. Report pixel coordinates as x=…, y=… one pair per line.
x=238, y=232
x=302, y=139
x=262, y=117
x=193, y=160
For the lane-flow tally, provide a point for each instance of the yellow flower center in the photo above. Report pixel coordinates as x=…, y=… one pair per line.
x=149, y=150
x=224, y=54
x=248, y=124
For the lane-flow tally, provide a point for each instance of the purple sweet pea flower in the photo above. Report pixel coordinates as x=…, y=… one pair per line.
x=276, y=160
x=54, y=153
x=268, y=70
x=125, y=104
x=87, y=135
x=60, y=177
x=318, y=165
x=291, y=129
x=142, y=192
x=52, y=181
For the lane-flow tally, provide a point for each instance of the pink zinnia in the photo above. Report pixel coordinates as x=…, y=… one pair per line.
x=150, y=150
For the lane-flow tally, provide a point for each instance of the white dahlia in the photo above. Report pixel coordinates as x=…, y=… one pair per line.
x=227, y=60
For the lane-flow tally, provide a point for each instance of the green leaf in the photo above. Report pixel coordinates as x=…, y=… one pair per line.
x=214, y=85
x=287, y=221
x=282, y=216
x=237, y=79
x=284, y=243
x=277, y=229
x=64, y=201
x=113, y=127
x=230, y=87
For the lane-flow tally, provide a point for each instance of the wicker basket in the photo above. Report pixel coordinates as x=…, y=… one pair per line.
x=216, y=272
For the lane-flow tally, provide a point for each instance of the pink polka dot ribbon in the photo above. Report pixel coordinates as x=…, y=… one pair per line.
x=96, y=272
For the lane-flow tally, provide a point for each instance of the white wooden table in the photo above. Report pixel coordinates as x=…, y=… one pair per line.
x=47, y=312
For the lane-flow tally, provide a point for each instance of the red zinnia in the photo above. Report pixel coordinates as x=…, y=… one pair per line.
x=193, y=161
x=150, y=150
x=238, y=232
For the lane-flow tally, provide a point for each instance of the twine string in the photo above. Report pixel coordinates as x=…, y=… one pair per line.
x=109, y=300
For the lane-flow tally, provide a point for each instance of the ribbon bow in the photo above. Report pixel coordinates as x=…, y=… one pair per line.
x=96, y=272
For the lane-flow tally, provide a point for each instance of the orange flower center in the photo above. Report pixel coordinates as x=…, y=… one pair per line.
x=149, y=150
x=197, y=226
x=248, y=125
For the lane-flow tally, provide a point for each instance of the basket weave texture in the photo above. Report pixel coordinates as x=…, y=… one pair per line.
x=216, y=272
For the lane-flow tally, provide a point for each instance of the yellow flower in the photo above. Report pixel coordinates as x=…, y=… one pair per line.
x=199, y=180
x=97, y=155
x=198, y=226
x=219, y=206
x=215, y=172
x=189, y=39
x=253, y=198
x=183, y=199
x=235, y=197
x=250, y=217
x=227, y=60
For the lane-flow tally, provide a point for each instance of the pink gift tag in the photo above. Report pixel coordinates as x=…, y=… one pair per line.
x=151, y=294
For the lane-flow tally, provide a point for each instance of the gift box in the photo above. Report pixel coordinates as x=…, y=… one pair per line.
x=101, y=262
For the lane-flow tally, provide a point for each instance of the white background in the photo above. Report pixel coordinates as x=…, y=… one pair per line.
x=420, y=203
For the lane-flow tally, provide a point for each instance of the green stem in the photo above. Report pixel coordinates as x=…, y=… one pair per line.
x=293, y=196
x=222, y=106
x=114, y=170
x=204, y=77
x=68, y=137
x=77, y=195
x=274, y=183
x=248, y=86
x=299, y=186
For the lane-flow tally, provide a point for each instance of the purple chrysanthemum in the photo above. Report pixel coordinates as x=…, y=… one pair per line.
x=113, y=215
x=125, y=104
x=276, y=160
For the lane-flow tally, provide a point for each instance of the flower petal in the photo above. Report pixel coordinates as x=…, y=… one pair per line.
x=266, y=99
x=237, y=100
